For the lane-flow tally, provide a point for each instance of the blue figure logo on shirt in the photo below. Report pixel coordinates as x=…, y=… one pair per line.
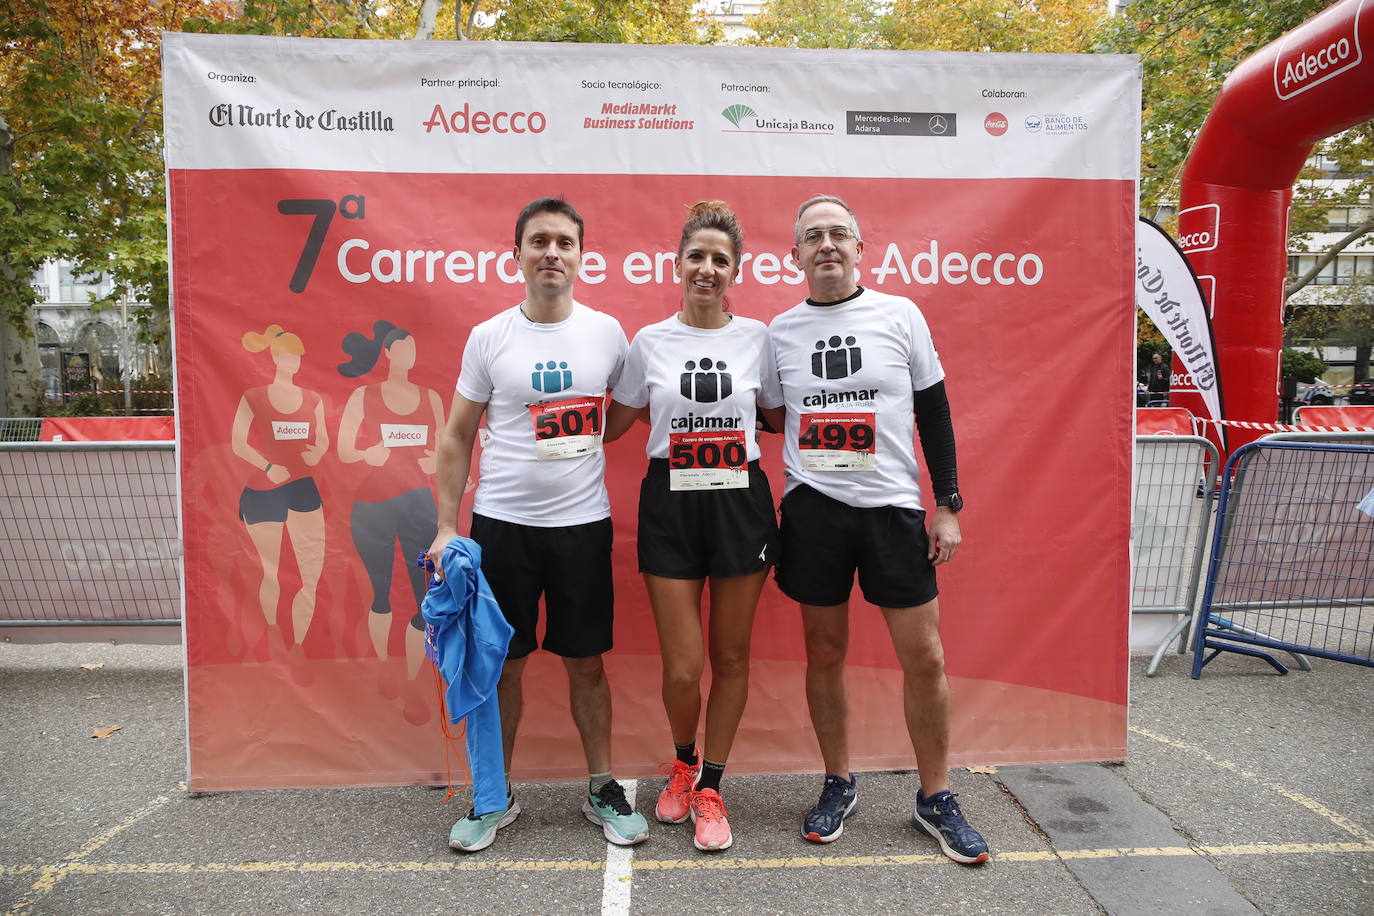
x=551, y=377
x=705, y=381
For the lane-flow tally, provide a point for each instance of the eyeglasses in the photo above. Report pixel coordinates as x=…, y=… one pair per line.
x=837, y=235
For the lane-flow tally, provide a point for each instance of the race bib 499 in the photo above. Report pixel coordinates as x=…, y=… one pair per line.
x=838, y=441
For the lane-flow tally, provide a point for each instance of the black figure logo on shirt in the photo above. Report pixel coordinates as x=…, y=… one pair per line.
x=551, y=377
x=837, y=362
x=705, y=381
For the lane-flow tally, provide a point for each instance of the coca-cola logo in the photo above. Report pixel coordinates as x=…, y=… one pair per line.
x=995, y=124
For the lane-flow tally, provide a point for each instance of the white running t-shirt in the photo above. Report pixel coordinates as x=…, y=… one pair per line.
x=543, y=467
x=847, y=372
x=697, y=379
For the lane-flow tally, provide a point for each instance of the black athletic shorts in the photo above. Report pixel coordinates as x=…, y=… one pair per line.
x=570, y=566
x=300, y=495
x=693, y=534
x=824, y=541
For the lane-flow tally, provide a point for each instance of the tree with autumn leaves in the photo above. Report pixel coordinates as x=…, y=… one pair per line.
x=934, y=25
x=81, y=168
x=1187, y=49
x=81, y=173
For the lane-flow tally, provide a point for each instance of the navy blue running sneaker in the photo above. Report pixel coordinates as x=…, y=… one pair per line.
x=939, y=816
x=840, y=798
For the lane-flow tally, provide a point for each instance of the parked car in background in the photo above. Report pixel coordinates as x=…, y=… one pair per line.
x=1362, y=392
x=1318, y=392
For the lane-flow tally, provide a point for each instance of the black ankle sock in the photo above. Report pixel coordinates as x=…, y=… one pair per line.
x=687, y=753
x=710, y=775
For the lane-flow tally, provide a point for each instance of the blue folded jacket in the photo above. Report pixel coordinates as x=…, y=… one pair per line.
x=469, y=645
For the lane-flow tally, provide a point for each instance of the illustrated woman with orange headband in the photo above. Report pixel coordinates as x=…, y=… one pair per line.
x=391, y=425
x=279, y=430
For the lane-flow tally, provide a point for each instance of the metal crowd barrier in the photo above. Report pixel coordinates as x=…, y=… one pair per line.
x=20, y=429
x=1292, y=562
x=88, y=534
x=1349, y=436
x=1170, y=513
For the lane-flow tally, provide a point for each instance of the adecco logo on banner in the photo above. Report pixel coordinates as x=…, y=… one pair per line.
x=1198, y=228
x=1318, y=59
x=465, y=120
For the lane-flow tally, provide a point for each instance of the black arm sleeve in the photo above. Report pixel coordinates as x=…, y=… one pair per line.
x=937, y=438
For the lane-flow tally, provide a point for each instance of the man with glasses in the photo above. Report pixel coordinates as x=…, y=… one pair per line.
x=858, y=369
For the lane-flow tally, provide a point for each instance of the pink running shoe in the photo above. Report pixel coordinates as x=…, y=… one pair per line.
x=673, y=800
x=708, y=813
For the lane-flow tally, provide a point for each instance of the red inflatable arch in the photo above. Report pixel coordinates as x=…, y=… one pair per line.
x=1233, y=219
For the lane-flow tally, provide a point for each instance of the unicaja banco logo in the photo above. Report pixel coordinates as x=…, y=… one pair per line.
x=736, y=113
x=551, y=377
x=705, y=381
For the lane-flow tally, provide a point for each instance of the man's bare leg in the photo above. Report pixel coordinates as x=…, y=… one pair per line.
x=925, y=689
x=589, y=694
x=510, y=693
x=827, y=645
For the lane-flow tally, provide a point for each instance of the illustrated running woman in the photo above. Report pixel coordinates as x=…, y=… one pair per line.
x=279, y=430
x=391, y=426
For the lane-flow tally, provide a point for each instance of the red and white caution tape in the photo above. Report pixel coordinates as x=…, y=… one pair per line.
x=131, y=391
x=1284, y=427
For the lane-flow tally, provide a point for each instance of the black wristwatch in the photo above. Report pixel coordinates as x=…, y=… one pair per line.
x=954, y=502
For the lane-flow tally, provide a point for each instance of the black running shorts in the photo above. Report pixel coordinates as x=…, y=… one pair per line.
x=824, y=541
x=693, y=534
x=570, y=566
x=299, y=495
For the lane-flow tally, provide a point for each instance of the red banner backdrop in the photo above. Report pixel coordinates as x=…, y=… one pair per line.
x=107, y=429
x=1027, y=283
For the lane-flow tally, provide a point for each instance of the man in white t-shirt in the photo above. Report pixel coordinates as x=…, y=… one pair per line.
x=539, y=371
x=858, y=370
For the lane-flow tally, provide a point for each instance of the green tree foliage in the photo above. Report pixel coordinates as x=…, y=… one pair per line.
x=932, y=25
x=313, y=18
x=1340, y=314
x=81, y=93
x=821, y=24
x=611, y=21
x=1348, y=179
x=1042, y=26
x=1187, y=49
x=1301, y=365
x=81, y=97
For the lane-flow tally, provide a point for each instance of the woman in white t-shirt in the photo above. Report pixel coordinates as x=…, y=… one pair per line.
x=705, y=509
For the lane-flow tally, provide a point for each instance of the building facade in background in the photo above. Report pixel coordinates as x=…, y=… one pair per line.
x=81, y=348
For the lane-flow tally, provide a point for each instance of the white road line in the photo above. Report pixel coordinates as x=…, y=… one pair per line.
x=617, y=881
